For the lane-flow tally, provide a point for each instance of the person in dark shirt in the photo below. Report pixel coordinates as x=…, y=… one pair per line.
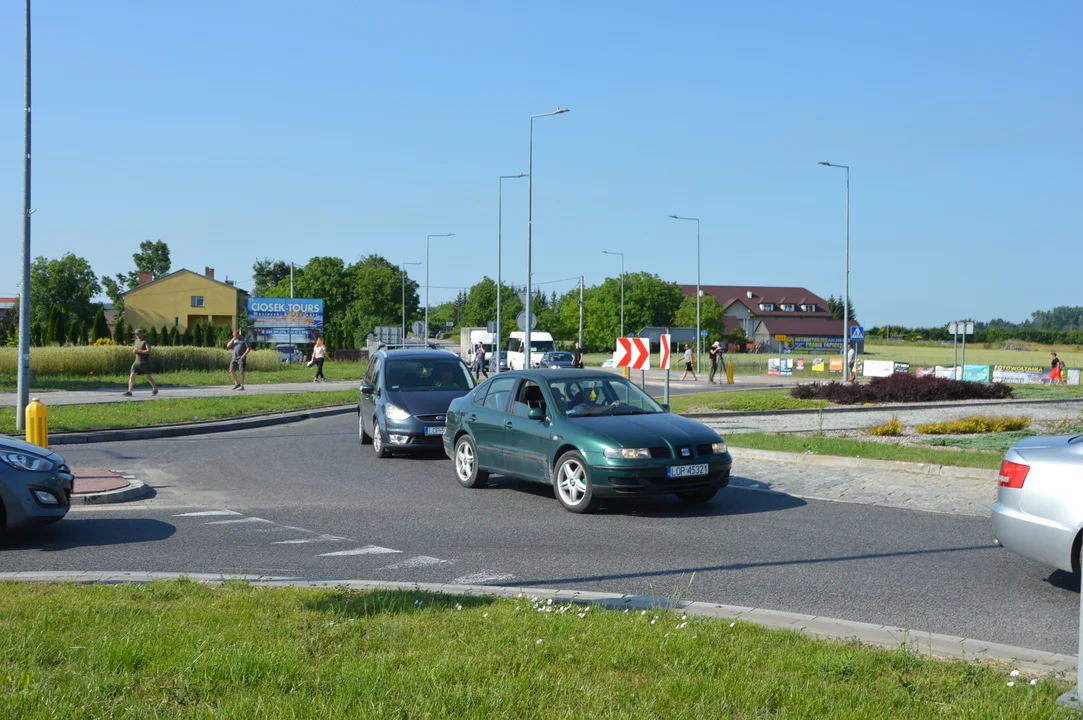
x=577, y=361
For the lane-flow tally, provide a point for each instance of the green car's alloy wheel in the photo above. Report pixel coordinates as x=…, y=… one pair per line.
x=572, y=481
x=466, y=464
x=378, y=440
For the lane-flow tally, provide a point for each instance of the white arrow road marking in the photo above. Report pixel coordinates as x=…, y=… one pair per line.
x=239, y=522
x=367, y=550
x=318, y=538
x=479, y=578
x=415, y=562
x=207, y=513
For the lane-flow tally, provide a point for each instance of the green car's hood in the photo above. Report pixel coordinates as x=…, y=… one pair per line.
x=632, y=431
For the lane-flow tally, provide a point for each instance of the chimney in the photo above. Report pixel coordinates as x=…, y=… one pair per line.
x=231, y=283
x=209, y=272
x=144, y=278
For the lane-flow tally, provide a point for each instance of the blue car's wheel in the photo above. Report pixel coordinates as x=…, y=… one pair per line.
x=572, y=483
x=378, y=441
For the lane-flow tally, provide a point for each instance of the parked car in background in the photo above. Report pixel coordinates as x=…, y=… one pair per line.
x=1038, y=512
x=588, y=433
x=557, y=360
x=290, y=353
x=35, y=485
x=405, y=396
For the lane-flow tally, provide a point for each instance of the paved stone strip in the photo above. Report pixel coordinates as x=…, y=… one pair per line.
x=887, y=636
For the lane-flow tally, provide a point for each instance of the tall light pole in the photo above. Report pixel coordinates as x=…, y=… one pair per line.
x=499, y=232
x=606, y=252
x=23, y=380
x=427, y=238
x=699, y=293
x=528, y=357
x=846, y=295
x=404, y=299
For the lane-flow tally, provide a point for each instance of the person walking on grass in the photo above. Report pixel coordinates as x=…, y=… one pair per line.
x=688, y=367
x=239, y=363
x=319, y=354
x=1056, y=372
x=141, y=366
x=714, y=353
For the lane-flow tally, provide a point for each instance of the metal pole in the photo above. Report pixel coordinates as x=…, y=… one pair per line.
x=23, y=381
x=955, y=348
x=580, y=313
x=291, y=280
x=962, y=368
x=846, y=299
x=427, y=290
x=622, y=294
x=665, y=394
x=699, y=293
x=404, y=303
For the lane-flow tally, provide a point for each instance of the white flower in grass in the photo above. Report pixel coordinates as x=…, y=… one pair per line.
x=1034, y=681
x=485, y=615
x=625, y=611
x=539, y=642
x=684, y=617
x=732, y=624
x=458, y=606
x=549, y=601
x=654, y=621
x=695, y=636
x=643, y=613
x=682, y=625
x=517, y=608
x=519, y=595
x=666, y=635
x=1011, y=683
x=1014, y=673
x=582, y=614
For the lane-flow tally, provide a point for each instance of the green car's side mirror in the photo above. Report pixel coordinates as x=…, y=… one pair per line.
x=536, y=413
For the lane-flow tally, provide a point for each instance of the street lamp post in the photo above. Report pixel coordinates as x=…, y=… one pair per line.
x=427, y=238
x=699, y=294
x=23, y=363
x=404, y=299
x=607, y=252
x=499, y=232
x=528, y=357
x=846, y=295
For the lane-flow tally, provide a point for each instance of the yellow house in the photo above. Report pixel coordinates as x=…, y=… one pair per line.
x=182, y=299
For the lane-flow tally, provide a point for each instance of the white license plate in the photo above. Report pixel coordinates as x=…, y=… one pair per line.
x=679, y=471
x=434, y=430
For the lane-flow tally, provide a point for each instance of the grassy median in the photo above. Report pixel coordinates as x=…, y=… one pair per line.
x=820, y=445
x=167, y=411
x=740, y=401
x=189, y=378
x=184, y=650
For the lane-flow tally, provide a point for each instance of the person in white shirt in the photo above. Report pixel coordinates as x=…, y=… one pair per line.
x=688, y=367
x=851, y=363
x=319, y=353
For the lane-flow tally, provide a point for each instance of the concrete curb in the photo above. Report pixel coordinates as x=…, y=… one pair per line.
x=136, y=490
x=886, y=636
x=878, y=408
x=196, y=428
x=866, y=463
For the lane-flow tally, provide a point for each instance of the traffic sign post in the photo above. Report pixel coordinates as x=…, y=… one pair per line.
x=663, y=362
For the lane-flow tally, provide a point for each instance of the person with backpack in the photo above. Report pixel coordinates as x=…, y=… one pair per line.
x=1056, y=374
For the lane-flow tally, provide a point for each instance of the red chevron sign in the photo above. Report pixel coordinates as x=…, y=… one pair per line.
x=663, y=352
x=633, y=353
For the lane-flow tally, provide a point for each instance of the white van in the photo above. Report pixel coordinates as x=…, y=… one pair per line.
x=540, y=343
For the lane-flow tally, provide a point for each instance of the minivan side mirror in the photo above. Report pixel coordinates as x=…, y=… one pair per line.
x=367, y=389
x=536, y=413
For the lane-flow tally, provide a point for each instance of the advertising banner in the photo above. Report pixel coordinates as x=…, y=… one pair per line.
x=1073, y=377
x=773, y=366
x=835, y=365
x=812, y=343
x=878, y=368
x=787, y=366
x=285, y=320
x=818, y=365
x=800, y=364
x=976, y=373
x=902, y=368
x=926, y=372
x=1018, y=374
x=949, y=373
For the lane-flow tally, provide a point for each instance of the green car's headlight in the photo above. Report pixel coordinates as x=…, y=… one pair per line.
x=627, y=453
x=719, y=448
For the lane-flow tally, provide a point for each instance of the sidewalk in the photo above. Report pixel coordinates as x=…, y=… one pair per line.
x=142, y=393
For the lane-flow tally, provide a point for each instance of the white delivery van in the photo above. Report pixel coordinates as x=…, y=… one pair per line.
x=540, y=343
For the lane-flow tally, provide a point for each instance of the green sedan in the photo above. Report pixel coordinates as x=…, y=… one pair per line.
x=590, y=434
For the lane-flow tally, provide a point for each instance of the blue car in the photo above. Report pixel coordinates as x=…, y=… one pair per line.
x=35, y=485
x=404, y=399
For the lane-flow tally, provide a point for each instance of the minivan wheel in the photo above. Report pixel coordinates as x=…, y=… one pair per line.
x=378, y=441
x=572, y=483
x=466, y=464
x=363, y=437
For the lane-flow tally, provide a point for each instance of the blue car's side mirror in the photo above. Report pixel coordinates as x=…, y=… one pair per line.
x=536, y=413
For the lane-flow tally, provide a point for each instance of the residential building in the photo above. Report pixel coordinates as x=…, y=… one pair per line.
x=7, y=305
x=182, y=299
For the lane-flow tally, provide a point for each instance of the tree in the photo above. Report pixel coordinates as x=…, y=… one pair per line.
x=152, y=336
x=649, y=301
x=119, y=332
x=163, y=336
x=186, y=339
x=174, y=336
x=153, y=257
x=73, y=330
x=36, y=334
x=267, y=273
x=50, y=326
x=835, y=305
x=68, y=284
x=712, y=317
x=374, y=294
x=100, y=326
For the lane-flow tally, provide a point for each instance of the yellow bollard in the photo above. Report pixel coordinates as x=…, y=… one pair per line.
x=37, y=423
x=624, y=371
x=729, y=373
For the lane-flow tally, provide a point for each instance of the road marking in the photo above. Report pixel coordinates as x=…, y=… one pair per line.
x=207, y=513
x=481, y=577
x=318, y=538
x=367, y=550
x=239, y=522
x=415, y=562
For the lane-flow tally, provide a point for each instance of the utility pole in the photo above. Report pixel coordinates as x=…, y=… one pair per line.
x=580, y=313
x=23, y=381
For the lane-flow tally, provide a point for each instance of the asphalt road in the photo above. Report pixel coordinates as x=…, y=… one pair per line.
x=306, y=500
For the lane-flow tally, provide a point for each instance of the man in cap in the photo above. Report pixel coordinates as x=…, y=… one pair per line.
x=141, y=366
x=715, y=356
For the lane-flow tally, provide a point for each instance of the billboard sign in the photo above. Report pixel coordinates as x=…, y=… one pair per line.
x=279, y=320
x=1018, y=374
x=816, y=343
x=878, y=368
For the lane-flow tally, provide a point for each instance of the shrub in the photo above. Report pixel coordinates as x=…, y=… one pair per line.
x=902, y=388
x=975, y=424
x=889, y=429
x=100, y=328
x=104, y=341
x=106, y=358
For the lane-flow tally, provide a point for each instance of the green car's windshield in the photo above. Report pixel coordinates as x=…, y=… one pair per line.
x=428, y=374
x=584, y=397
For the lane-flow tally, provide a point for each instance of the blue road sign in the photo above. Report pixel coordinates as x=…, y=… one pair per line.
x=703, y=333
x=857, y=333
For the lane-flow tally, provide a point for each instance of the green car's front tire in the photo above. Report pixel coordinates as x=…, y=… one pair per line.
x=466, y=464
x=571, y=480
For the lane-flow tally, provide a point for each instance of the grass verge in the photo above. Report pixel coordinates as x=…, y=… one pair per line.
x=845, y=447
x=188, y=378
x=1047, y=392
x=180, y=649
x=995, y=442
x=740, y=401
x=177, y=410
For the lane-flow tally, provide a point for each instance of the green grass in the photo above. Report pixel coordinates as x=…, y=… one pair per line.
x=740, y=401
x=929, y=354
x=845, y=447
x=994, y=442
x=166, y=411
x=183, y=650
x=1047, y=392
x=187, y=378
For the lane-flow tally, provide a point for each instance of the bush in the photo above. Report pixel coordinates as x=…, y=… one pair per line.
x=104, y=341
x=975, y=424
x=889, y=429
x=109, y=359
x=902, y=388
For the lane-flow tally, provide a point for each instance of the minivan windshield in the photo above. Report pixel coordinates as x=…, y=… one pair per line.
x=436, y=374
x=583, y=397
x=560, y=357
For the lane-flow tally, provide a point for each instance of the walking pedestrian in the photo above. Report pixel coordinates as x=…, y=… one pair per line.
x=714, y=353
x=1056, y=373
x=479, y=361
x=239, y=362
x=688, y=367
x=319, y=354
x=141, y=366
x=577, y=360
x=851, y=363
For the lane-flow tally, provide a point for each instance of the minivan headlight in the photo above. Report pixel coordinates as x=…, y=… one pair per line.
x=394, y=412
x=27, y=462
x=627, y=453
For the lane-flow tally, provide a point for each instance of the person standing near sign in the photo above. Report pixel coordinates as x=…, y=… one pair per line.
x=851, y=363
x=319, y=354
x=141, y=366
x=577, y=360
x=239, y=363
x=688, y=367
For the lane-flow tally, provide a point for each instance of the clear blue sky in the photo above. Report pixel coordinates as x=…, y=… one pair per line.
x=239, y=130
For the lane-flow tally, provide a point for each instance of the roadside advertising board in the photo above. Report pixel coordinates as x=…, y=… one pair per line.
x=818, y=365
x=280, y=320
x=976, y=373
x=878, y=368
x=1018, y=374
x=835, y=365
x=813, y=344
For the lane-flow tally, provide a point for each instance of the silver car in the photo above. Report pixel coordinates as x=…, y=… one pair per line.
x=35, y=485
x=1039, y=508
